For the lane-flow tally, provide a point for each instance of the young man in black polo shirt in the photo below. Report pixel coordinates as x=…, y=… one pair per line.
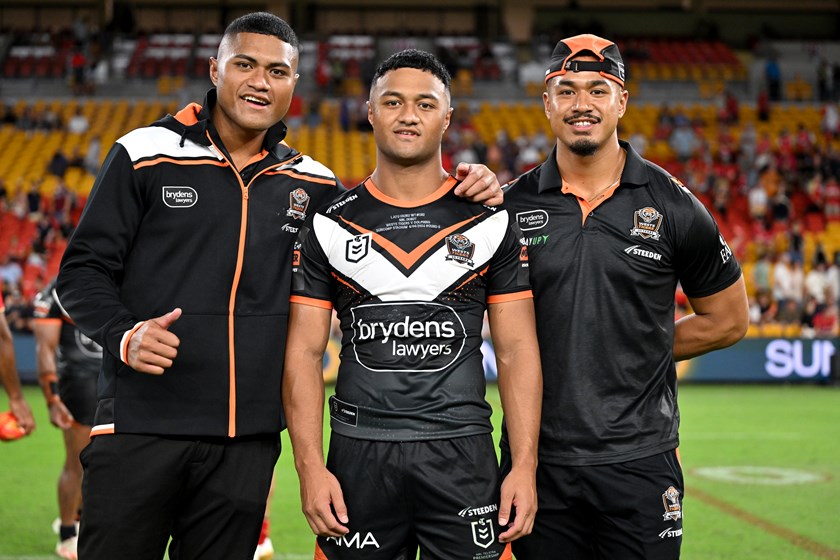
x=610, y=235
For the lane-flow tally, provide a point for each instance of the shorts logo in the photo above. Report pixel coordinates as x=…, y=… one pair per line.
x=298, y=203
x=671, y=501
x=482, y=532
x=533, y=219
x=356, y=540
x=357, y=248
x=179, y=197
x=646, y=222
x=470, y=511
x=460, y=249
x=670, y=533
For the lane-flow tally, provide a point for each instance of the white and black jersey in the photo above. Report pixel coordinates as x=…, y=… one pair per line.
x=410, y=284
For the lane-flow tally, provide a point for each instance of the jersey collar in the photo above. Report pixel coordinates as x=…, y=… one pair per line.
x=634, y=173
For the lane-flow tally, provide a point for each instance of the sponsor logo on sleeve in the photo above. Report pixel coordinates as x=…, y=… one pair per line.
x=298, y=203
x=646, y=223
x=413, y=336
x=179, y=197
x=532, y=219
x=725, y=252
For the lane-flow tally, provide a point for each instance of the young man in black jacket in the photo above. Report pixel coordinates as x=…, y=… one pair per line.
x=180, y=269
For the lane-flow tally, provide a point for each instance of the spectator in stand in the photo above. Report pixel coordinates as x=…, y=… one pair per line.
x=664, y=123
x=783, y=282
x=825, y=320
x=789, y=313
x=639, y=141
x=93, y=154
x=763, y=308
x=816, y=282
x=34, y=200
x=684, y=142
x=78, y=123
x=50, y=120
x=9, y=115
x=762, y=106
x=830, y=122
x=773, y=78
x=761, y=271
x=809, y=313
x=58, y=163
x=758, y=200
x=833, y=274
x=10, y=271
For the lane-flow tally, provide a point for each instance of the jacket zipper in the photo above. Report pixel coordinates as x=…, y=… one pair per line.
x=240, y=257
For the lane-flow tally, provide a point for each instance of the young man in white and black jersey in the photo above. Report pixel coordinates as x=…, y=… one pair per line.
x=410, y=270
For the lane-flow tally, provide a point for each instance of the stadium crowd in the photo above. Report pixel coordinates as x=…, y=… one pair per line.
x=776, y=198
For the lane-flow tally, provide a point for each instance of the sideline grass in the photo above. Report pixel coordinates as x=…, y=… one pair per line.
x=722, y=426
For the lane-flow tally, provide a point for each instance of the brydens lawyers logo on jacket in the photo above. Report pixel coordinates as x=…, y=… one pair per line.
x=179, y=197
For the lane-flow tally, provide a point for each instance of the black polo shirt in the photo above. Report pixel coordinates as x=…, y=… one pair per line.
x=604, y=283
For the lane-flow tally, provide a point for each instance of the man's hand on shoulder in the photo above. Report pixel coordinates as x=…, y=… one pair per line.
x=478, y=184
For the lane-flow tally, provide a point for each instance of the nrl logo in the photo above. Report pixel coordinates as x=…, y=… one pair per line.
x=482, y=532
x=671, y=501
x=460, y=249
x=647, y=222
x=357, y=248
x=298, y=203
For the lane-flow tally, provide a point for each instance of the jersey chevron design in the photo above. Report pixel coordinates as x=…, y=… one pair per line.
x=410, y=285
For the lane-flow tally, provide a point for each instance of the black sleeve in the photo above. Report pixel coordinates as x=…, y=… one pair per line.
x=92, y=268
x=705, y=263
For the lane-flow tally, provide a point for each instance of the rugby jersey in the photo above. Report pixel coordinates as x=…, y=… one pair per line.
x=76, y=354
x=410, y=283
x=170, y=223
x=604, y=280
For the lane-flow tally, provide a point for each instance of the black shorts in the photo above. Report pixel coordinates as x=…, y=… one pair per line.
x=78, y=393
x=208, y=495
x=440, y=495
x=631, y=511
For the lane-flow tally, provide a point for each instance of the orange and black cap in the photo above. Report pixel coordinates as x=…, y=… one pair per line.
x=610, y=64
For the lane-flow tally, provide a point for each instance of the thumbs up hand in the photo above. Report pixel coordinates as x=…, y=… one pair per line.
x=152, y=347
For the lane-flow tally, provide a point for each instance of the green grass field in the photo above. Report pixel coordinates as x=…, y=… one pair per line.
x=781, y=443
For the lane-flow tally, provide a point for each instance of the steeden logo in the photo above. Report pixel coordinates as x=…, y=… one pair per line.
x=179, y=197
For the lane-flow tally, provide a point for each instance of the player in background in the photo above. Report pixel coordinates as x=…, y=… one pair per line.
x=410, y=269
x=22, y=421
x=68, y=364
x=610, y=235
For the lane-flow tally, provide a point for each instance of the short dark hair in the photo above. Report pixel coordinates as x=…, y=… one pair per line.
x=263, y=23
x=413, y=58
